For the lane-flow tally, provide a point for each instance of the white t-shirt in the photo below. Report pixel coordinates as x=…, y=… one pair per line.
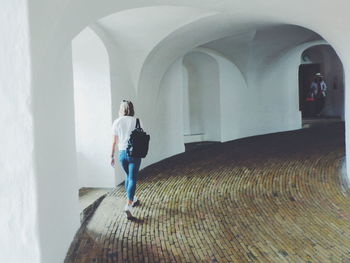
x=314, y=88
x=122, y=128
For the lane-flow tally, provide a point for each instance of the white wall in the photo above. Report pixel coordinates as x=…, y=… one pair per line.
x=167, y=135
x=93, y=112
x=263, y=106
x=54, y=134
x=234, y=99
x=203, y=96
x=19, y=236
x=55, y=156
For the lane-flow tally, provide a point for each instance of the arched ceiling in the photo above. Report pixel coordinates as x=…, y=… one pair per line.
x=266, y=42
x=138, y=31
x=290, y=12
x=143, y=32
x=60, y=24
x=152, y=38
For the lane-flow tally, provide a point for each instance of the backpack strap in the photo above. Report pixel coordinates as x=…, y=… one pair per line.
x=138, y=124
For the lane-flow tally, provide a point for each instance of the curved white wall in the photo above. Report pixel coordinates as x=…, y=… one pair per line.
x=234, y=98
x=93, y=113
x=19, y=235
x=167, y=131
x=203, y=91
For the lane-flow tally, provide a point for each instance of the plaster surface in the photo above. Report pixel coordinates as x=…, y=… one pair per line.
x=93, y=112
x=204, y=95
x=19, y=236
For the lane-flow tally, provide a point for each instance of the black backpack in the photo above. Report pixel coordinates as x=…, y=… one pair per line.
x=138, y=142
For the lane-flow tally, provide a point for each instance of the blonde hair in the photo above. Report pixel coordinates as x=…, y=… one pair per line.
x=126, y=108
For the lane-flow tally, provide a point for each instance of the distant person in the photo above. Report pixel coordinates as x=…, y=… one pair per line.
x=122, y=128
x=318, y=89
x=310, y=104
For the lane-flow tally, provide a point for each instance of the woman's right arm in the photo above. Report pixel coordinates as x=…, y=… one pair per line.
x=115, y=140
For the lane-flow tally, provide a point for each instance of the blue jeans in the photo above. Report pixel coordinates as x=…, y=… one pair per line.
x=131, y=166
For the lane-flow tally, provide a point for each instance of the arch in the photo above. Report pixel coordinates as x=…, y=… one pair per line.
x=203, y=96
x=234, y=96
x=92, y=104
x=287, y=117
x=168, y=50
x=136, y=39
x=50, y=44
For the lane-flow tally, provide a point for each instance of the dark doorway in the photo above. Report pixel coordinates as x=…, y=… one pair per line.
x=306, y=76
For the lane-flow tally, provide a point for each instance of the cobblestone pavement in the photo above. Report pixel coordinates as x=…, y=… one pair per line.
x=272, y=198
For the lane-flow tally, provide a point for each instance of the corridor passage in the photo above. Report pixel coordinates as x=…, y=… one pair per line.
x=272, y=198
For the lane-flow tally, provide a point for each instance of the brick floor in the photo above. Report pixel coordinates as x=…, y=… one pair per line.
x=272, y=198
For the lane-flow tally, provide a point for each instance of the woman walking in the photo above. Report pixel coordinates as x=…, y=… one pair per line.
x=122, y=128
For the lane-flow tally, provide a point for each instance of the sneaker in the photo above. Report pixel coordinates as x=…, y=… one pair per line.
x=127, y=210
x=136, y=202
